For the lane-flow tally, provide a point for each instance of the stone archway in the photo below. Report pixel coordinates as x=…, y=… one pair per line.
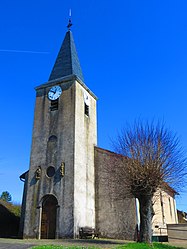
x=48, y=218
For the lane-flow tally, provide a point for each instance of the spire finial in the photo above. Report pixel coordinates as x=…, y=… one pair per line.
x=69, y=23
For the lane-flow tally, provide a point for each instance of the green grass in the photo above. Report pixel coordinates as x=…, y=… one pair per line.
x=146, y=246
x=127, y=246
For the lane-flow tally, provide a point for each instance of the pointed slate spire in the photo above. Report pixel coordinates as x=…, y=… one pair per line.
x=67, y=62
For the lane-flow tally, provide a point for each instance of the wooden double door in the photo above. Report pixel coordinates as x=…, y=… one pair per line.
x=48, y=219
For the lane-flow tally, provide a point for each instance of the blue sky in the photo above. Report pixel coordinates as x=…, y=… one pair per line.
x=133, y=56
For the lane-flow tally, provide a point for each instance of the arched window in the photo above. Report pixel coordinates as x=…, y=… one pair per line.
x=52, y=150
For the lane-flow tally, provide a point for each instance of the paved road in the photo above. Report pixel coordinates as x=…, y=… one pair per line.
x=14, y=246
x=26, y=244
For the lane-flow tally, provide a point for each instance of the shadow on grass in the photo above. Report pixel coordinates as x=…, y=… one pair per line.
x=95, y=241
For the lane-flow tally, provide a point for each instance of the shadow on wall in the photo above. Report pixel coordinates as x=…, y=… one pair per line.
x=9, y=223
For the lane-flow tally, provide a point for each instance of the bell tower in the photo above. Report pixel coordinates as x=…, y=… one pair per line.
x=59, y=194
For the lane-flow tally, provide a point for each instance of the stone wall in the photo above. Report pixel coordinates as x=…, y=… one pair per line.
x=84, y=142
x=59, y=125
x=64, y=136
x=177, y=232
x=114, y=218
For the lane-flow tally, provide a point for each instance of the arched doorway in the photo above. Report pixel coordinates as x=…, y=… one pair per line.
x=48, y=219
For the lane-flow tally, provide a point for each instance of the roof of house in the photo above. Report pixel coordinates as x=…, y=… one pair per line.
x=101, y=150
x=23, y=176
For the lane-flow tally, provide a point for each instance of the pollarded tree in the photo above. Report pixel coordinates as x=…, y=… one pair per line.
x=151, y=158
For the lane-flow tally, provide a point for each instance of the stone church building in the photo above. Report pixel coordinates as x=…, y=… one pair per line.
x=64, y=188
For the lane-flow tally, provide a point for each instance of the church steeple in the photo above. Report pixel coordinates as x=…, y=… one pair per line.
x=55, y=204
x=67, y=62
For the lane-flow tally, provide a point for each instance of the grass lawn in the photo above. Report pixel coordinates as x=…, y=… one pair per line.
x=127, y=246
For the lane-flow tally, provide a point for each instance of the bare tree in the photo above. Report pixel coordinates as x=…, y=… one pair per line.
x=151, y=158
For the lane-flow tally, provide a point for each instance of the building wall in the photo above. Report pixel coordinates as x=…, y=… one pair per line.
x=85, y=140
x=182, y=216
x=46, y=124
x=165, y=211
x=114, y=218
x=62, y=136
x=83, y=196
x=9, y=221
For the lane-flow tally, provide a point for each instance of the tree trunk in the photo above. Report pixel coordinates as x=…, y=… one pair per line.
x=146, y=218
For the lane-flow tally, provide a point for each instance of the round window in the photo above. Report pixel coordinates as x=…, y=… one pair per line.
x=50, y=171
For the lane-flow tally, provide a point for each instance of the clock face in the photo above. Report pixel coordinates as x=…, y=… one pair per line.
x=54, y=93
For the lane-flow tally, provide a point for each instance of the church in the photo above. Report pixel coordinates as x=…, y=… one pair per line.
x=64, y=189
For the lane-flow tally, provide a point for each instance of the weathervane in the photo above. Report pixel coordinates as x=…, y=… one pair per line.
x=69, y=23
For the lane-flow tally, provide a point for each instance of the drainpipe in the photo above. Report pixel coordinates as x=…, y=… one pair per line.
x=138, y=214
x=39, y=223
x=162, y=210
x=175, y=211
